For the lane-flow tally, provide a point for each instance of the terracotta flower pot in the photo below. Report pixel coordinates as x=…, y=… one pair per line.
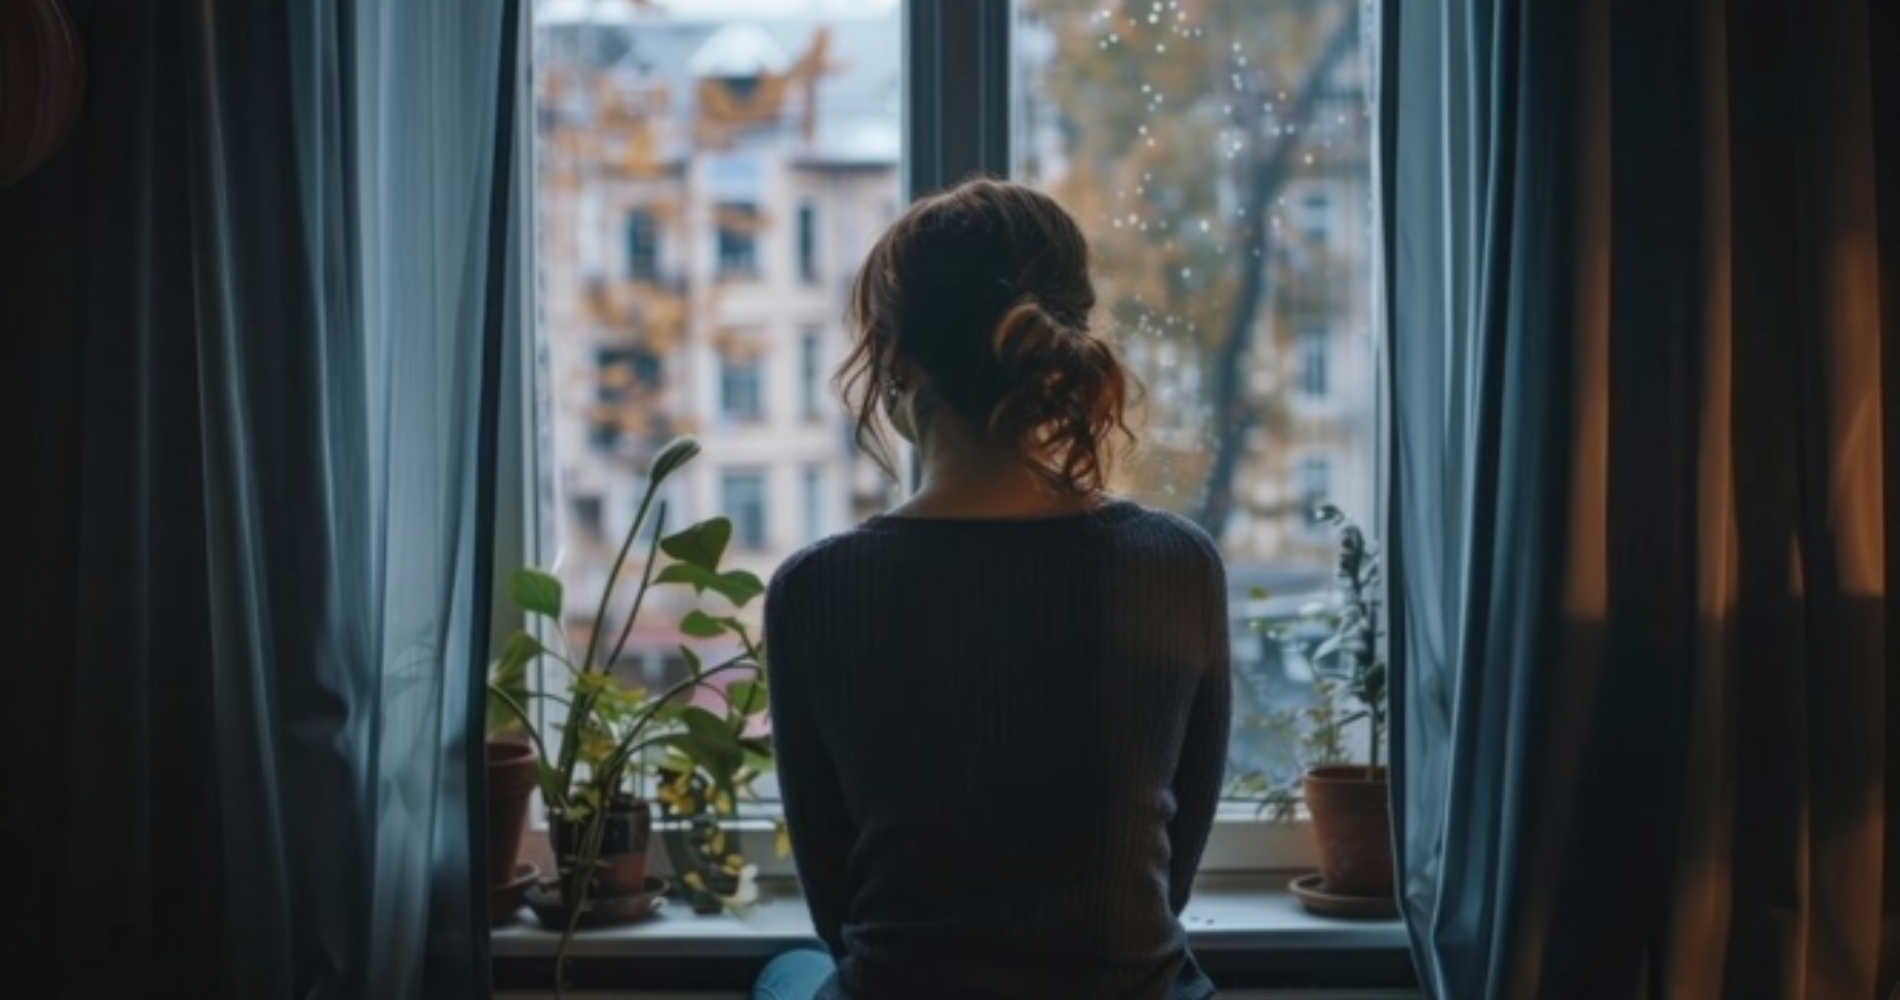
x=1353, y=825
x=511, y=779
x=623, y=846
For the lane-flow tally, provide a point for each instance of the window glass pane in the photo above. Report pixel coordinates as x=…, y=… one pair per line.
x=1313, y=347
x=1216, y=154
x=643, y=246
x=814, y=489
x=808, y=243
x=739, y=391
x=678, y=148
x=810, y=375
x=742, y=497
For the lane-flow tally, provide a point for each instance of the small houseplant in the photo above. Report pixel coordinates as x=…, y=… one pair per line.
x=599, y=825
x=512, y=776
x=1348, y=802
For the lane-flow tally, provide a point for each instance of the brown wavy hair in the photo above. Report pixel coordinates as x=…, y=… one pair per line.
x=982, y=294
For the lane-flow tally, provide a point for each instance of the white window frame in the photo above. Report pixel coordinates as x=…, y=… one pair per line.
x=957, y=124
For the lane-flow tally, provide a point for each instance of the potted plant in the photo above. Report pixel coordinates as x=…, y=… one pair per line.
x=599, y=824
x=1348, y=802
x=512, y=776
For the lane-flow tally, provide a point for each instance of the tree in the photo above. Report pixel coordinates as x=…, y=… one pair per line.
x=1179, y=125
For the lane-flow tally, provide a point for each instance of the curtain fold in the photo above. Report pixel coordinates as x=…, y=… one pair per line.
x=264, y=329
x=1641, y=308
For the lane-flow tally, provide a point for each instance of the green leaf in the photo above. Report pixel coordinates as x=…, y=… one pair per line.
x=701, y=544
x=747, y=697
x=550, y=779
x=697, y=577
x=516, y=652
x=677, y=453
x=700, y=625
x=510, y=676
x=693, y=666
x=1257, y=593
x=738, y=586
x=533, y=590
x=710, y=742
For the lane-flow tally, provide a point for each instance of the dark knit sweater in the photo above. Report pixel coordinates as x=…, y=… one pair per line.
x=1000, y=747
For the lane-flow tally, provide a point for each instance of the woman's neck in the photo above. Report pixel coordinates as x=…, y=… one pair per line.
x=963, y=479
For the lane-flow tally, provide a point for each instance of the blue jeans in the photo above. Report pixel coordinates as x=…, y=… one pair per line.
x=794, y=975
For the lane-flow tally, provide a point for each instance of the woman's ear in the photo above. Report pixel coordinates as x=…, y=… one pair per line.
x=900, y=401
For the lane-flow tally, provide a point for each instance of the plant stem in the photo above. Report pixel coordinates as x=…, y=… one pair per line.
x=570, y=735
x=646, y=580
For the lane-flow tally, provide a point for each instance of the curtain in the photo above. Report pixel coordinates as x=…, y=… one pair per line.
x=1641, y=323
x=255, y=335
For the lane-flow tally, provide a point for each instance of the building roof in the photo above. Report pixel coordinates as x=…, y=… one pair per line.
x=738, y=49
x=859, y=99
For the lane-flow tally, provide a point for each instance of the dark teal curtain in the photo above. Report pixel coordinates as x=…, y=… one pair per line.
x=255, y=322
x=1641, y=309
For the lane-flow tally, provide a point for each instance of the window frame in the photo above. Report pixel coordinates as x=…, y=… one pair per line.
x=957, y=110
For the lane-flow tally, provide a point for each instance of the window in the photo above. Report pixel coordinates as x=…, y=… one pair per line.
x=739, y=392
x=812, y=480
x=810, y=376
x=694, y=171
x=1316, y=216
x=623, y=376
x=587, y=516
x=1312, y=360
x=1314, y=480
x=808, y=243
x=737, y=129
x=736, y=224
x=643, y=246
x=1201, y=147
x=742, y=497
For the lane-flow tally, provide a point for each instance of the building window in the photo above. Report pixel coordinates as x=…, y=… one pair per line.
x=810, y=375
x=1316, y=216
x=737, y=225
x=643, y=246
x=622, y=378
x=813, y=482
x=587, y=517
x=1313, y=348
x=808, y=243
x=1313, y=478
x=740, y=392
x=742, y=498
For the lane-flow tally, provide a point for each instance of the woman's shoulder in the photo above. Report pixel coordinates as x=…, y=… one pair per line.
x=1173, y=534
x=817, y=560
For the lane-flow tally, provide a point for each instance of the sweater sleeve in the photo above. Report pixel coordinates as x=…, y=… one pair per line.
x=815, y=814
x=1203, y=762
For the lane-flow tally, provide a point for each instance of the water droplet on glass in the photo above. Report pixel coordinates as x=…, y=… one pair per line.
x=1161, y=46
x=1309, y=159
x=1152, y=18
x=1204, y=225
x=1141, y=129
x=1114, y=38
x=1226, y=109
x=1186, y=273
x=1236, y=46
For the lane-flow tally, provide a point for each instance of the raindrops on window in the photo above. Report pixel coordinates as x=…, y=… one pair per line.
x=1179, y=133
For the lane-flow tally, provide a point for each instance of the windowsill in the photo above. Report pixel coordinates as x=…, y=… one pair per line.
x=1228, y=913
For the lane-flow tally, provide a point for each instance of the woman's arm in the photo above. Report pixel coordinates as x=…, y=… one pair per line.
x=1197, y=776
x=815, y=813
